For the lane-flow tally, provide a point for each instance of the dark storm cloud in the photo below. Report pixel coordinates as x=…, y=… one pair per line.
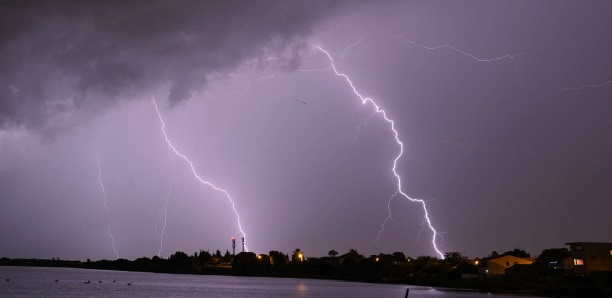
x=58, y=57
x=501, y=151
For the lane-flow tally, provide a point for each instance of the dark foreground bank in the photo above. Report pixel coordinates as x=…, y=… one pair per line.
x=374, y=270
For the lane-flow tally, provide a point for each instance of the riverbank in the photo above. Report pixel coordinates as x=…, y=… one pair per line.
x=551, y=285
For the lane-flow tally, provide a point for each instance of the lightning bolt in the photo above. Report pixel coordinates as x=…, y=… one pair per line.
x=344, y=53
x=250, y=84
x=358, y=128
x=106, y=206
x=163, y=212
x=453, y=48
x=430, y=48
x=382, y=227
x=195, y=173
x=587, y=86
x=112, y=241
x=101, y=184
x=365, y=100
x=350, y=47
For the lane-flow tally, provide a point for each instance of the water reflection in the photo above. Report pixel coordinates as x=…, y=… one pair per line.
x=41, y=282
x=302, y=290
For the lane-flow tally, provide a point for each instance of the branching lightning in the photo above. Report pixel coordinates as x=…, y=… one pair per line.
x=382, y=226
x=344, y=53
x=164, y=210
x=358, y=128
x=101, y=184
x=365, y=100
x=110, y=234
x=448, y=46
x=438, y=47
x=431, y=48
x=350, y=47
x=249, y=84
x=587, y=86
x=195, y=174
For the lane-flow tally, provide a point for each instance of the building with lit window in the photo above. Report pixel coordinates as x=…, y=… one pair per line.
x=590, y=256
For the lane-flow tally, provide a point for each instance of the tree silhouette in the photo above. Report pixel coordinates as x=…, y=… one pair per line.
x=519, y=253
x=296, y=255
x=179, y=261
x=554, y=255
x=203, y=257
x=333, y=253
x=399, y=256
x=453, y=258
x=278, y=258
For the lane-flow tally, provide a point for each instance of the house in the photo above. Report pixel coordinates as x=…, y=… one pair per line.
x=525, y=272
x=498, y=266
x=590, y=256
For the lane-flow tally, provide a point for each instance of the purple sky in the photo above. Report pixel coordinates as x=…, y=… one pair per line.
x=503, y=108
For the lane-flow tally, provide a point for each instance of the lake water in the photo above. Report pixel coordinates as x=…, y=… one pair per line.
x=40, y=282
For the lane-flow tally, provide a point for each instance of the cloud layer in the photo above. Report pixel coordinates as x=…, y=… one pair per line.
x=85, y=56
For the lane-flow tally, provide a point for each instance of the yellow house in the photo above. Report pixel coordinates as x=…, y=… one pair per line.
x=498, y=266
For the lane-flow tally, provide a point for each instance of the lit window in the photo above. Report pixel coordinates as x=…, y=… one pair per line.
x=578, y=262
x=611, y=252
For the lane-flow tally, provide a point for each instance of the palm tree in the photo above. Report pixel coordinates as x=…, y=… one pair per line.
x=298, y=255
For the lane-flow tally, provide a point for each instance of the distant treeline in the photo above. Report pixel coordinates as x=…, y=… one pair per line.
x=455, y=270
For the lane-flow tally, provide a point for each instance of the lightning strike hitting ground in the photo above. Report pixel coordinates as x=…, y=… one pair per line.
x=112, y=241
x=195, y=174
x=365, y=100
x=164, y=210
x=106, y=206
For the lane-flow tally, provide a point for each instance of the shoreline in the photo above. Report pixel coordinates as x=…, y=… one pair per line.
x=542, y=286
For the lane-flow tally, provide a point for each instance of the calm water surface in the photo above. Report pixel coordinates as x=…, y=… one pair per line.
x=40, y=282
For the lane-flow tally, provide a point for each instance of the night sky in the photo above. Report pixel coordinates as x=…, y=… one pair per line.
x=503, y=107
